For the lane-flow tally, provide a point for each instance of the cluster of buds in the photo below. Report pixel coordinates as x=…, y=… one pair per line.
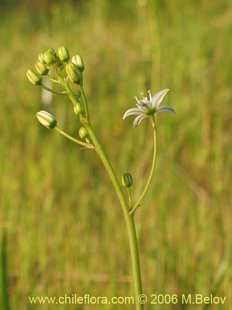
x=62, y=69
x=60, y=60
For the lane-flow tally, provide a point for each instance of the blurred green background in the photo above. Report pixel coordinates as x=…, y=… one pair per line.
x=65, y=229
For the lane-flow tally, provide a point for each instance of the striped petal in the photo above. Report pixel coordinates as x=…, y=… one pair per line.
x=141, y=107
x=138, y=120
x=158, y=97
x=166, y=109
x=130, y=112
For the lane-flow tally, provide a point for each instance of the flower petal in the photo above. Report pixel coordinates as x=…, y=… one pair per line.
x=166, y=109
x=138, y=120
x=141, y=107
x=133, y=111
x=158, y=97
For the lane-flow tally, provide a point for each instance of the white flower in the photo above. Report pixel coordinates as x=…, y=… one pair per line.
x=148, y=106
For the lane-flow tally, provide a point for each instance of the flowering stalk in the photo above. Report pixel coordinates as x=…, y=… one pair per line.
x=148, y=183
x=69, y=71
x=129, y=218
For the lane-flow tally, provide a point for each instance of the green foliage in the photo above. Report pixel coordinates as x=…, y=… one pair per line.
x=55, y=198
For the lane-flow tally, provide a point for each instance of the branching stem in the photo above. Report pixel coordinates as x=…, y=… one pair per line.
x=87, y=145
x=130, y=224
x=129, y=219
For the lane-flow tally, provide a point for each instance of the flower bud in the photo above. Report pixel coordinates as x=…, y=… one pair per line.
x=77, y=60
x=77, y=109
x=63, y=54
x=41, y=68
x=33, y=77
x=127, y=180
x=73, y=73
x=83, y=133
x=46, y=119
x=41, y=58
x=49, y=56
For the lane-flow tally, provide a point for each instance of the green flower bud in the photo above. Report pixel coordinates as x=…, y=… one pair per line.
x=41, y=68
x=77, y=60
x=77, y=109
x=33, y=77
x=83, y=133
x=49, y=56
x=46, y=119
x=73, y=73
x=63, y=54
x=127, y=180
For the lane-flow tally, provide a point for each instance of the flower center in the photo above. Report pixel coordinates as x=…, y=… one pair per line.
x=150, y=111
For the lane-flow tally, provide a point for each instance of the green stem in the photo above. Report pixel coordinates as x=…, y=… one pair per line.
x=129, y=219
x=85, y=102
x=137, y=204
x=89, y=146
x=72, y=97
x=133, y=209
x=129, y=197
x=70, y=92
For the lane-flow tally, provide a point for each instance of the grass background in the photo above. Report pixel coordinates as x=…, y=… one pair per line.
x=65, y=229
